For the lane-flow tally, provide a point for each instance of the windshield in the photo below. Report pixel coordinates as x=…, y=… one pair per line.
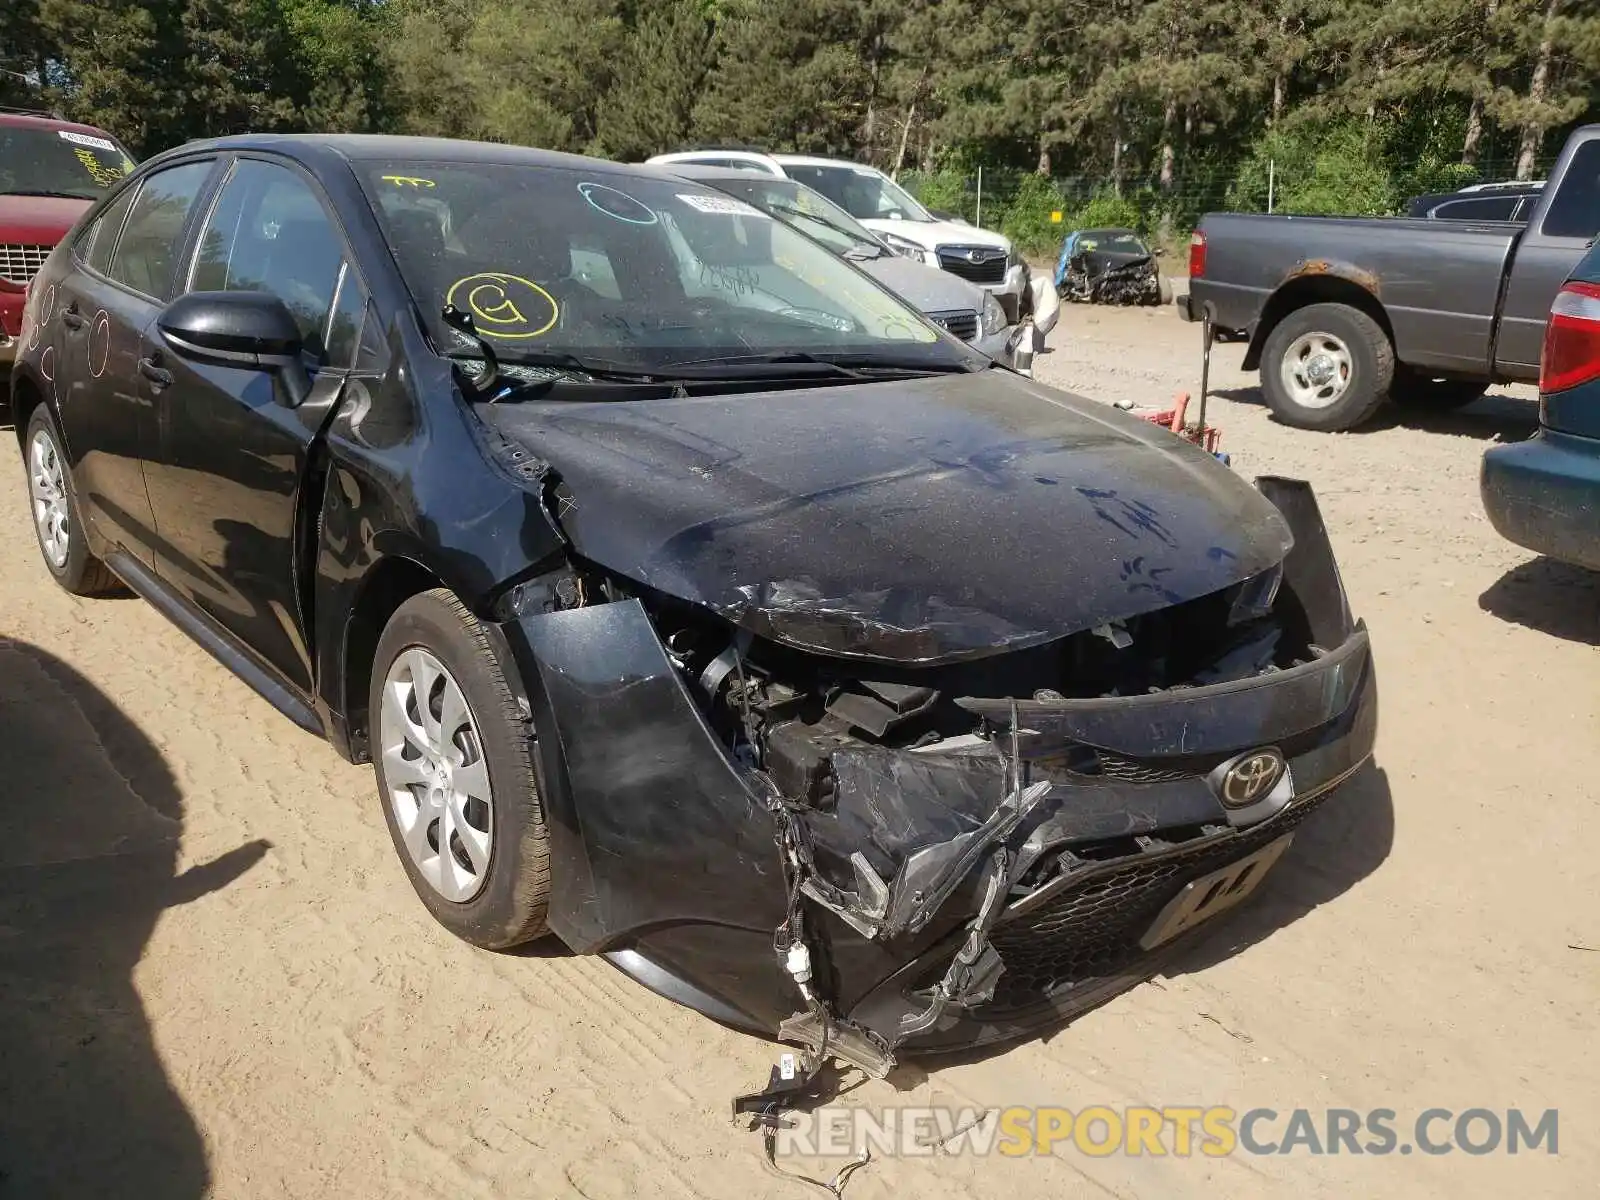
x=862, y=192
x=628, y=270
x=59, y=162
x=1111, y=241
x=809, y=211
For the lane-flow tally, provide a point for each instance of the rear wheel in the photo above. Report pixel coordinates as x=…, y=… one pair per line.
x=54, y=506
x=1163, y=289
x=1421, y=392
x=1326, y=367
x=454, y=761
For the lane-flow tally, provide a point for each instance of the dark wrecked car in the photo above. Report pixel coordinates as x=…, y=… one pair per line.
x=695, y=600
x=1110, y=266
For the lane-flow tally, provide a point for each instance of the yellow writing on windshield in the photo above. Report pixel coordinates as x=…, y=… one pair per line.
x=415, y=181
x=103, y=174
x=504, y=305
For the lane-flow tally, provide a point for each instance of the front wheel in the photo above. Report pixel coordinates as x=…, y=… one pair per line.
x=454, y=759
x=1326, y=367
x=1163, y=290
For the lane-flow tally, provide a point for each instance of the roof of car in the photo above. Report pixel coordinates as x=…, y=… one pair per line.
x=809, y=160
x=30, y=120
x=378, y=147
x=700, y=171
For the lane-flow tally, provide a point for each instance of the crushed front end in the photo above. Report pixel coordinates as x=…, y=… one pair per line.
x=873, y=858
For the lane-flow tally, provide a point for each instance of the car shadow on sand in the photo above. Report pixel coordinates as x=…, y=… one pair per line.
x=1336, y=847
x=93, y=818
x=1551, y=597
x=1495, y=416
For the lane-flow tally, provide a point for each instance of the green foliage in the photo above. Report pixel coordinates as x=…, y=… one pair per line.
x=1107, y=210
x=1162, y=109
x=1326, y=168
x=943, y=191
x=1026, y=219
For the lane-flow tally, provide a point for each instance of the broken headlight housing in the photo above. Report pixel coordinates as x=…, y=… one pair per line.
x=1255, y=597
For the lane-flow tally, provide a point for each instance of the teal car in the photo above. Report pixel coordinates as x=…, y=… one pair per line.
x=1544, y=493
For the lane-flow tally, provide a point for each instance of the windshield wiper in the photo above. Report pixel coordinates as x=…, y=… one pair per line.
x=874, y=250
x=850, y=366
x=44, y=192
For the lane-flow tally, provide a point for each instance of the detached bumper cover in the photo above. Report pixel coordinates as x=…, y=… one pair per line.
x=1544, y=494
x=666, y=852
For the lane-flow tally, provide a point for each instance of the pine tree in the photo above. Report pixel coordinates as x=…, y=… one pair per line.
x=660, y=78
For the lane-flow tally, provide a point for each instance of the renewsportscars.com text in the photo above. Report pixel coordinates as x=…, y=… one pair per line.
x=1179, y=1131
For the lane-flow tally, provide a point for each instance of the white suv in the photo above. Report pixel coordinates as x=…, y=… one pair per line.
x=887, y=209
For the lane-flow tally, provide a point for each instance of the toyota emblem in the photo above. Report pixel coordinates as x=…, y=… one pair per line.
x=1251, y=778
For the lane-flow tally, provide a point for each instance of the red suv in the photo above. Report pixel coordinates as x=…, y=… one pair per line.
x=50, y=172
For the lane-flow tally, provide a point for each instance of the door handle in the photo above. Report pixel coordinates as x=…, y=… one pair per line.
x=72, y=318
x=158, y=376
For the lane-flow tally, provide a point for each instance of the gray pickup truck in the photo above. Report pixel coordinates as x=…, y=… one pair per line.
x=1342, y=313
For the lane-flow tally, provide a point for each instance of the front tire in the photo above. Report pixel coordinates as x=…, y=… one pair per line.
x=1419, y=392
x=454, y=759
x=53, y=504
x=1326, y=367
x=1163, y=290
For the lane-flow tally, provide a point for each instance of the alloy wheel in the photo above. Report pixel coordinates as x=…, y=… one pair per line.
x=48, y=484
x=435, y=775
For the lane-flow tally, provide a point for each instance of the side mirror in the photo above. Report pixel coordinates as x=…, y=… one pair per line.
x=249, y=330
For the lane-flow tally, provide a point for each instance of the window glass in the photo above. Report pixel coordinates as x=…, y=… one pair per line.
x=269, y=233
x=862, y=192
x=1574, y=210
x=632, y=269
x=149, y=242
x=102, y=239
x=1493, y=208
x=344, y=322
x=37, y=161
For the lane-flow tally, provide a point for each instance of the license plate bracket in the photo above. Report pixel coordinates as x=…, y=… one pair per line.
x=1213, y=893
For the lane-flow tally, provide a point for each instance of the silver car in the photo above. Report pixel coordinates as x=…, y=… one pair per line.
x=966, y=310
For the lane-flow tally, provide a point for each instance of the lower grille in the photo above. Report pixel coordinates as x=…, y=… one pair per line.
x=19, y=263
x=963, y=325
x=989, y=267
x=1091, y=930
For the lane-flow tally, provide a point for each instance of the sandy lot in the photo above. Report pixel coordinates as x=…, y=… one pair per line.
x=214, y=979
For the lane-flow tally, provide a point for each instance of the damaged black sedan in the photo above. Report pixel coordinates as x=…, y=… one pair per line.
x=696, y=601
x=1110, y=266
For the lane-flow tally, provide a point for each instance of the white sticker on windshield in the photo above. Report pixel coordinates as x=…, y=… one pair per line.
x=83, y=139
x=726, y=206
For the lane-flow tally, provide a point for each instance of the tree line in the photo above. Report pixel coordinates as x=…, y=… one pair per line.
x=1352, y=103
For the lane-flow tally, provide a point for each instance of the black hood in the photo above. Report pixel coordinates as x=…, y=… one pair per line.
x=921, y=521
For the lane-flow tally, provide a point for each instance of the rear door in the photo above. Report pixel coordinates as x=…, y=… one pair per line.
x=120, y=276
x=229, y=485
x=1545, y=257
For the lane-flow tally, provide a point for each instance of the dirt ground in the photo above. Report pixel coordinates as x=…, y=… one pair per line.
x=214, y=979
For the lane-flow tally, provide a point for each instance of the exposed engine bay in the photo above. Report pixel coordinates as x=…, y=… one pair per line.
x=909, y=747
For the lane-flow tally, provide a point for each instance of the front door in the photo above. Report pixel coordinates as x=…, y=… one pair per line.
x=228, y=484
x=118, y=278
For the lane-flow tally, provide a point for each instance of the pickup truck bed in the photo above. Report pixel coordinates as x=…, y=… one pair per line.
x=1342, y=313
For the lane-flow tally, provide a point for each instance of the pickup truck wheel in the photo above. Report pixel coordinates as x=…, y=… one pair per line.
x=1326, y=367
x=454, y=762
x=1420, y=393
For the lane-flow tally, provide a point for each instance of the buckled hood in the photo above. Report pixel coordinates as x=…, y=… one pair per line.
x=919, y=521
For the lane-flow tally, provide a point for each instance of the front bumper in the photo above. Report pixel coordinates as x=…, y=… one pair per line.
x=663, y=855
x=1544, y=494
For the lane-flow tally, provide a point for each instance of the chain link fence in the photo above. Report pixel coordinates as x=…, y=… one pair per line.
x=1037, y=211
